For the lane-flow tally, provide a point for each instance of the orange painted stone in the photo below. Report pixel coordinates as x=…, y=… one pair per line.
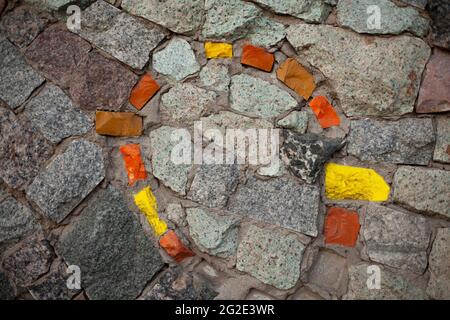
x=341, y=227
x=296, y=77
x=118, y=124
x=324, y=111
x=144, y=90
x=257, y=57
x=133, y=163
x=174, y=247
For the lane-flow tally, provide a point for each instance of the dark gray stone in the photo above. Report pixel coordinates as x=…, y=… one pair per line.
x=306, y=154
x=53, y=286
x=439, y=12
x=6, y=290
x=116, y=258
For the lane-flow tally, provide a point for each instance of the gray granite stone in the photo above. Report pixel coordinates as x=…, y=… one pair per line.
x=215, y=75
x=176, y=214
x=257, y=97
x=54, y=114
x=396, y=239
x=53, y=286
x=177, y=60
x=348, y=61
x=408, y=140
x=107, y=242
x=310, y=11
x=278, y=201
x=68, y=179
x=422, y=189
x=271, y=256
x=17, y=79
x=442, y=148
x=214, y=234
x=265, y=32
x=439, y=11
x=305, y=155
x=296, y=121
x=6, y=289
x=439, y=266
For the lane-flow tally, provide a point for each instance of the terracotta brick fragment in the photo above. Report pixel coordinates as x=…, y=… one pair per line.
x=324, y=111
x=118, y=124
x=133, y=163
x=144, y=90
x=341, y=227
x=296, y=77
x=257, y=57
x=174, y=247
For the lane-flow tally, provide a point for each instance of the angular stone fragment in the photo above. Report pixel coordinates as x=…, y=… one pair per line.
x=174, y=175
x=348, y=61
x=258, y=97
x=68, y=179
x=185, y=103
x=433, y=94
x=423, y=189
x=133, y=162
x=145, y=200
x=296, y=77
x=341, y=227
x=143, y=91
x=177, y=60
x=408, y=140
x=180, y=16
x=266, y=32
x=310, y=11
x=115, y=256
x=53, y=286
x=392, y=287
x=215, y=76
x=215, y=50
x=174, y=247
x=296, y=121
x=439, y=266
x=16, y=220
x=22, y=150
x=6, y=289
x=175, y=213
x=306, y=154
x=271, y=256
x=100, y=82
x=324, y=111
x=118, y=124
x=442, y=148
x=329, y=273
x=213, y=234
x=17, y=78
x=396, y=239
x=278, y=201
x=354, y=183
x=125, y=37
x=55, y=115
x=257, y=57
x=393, y=19
x=439, y=12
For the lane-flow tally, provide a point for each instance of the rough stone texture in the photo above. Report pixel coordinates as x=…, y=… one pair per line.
x=175, y=284
x=185, y=103
x=216, y=235
x=68, y=179
x=257, y=97
x=408, y=140
x=296, y=121
x=177, y=60
x=265, y=32
x=115, y=256
x=310, y=11
x=439, y=284
x=213, y=184
x=423, y=189
x=22, y=150
x=442, y=148
x=229, y=120
x=53, y=286
x=6, y=289
x=17, y=78
x=28, y=262
x=305, y=294
x=393, y=19
x=439, y=11
x=306, y=154
x=180, y=16
x=417, y=3
x=23, y=24
x=125, y=37
x=396, y=239
x=92, y=84
x=271, y=256
x=215, y=75
x=433, y=94
x=392, y=287
x=176, y=214
x=279, y=201
x=371, y=77
x=173, y=175
x=54, y=114
x=16, y=220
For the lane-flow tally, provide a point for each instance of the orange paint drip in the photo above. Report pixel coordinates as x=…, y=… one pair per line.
x=133, y=163
x=341, y=227
x=174, y=247
x=144, y=90
x=324, y=111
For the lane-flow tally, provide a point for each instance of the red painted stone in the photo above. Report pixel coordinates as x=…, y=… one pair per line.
x=257, y=57
x=174, y=247
x=324, y=111
x=341, y=227
x=144, y=90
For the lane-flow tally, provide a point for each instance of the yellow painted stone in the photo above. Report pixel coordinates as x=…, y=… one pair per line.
x=146, y=202
x=218, y=50
x=353, y=183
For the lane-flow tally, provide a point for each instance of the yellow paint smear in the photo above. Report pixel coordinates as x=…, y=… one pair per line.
x=146, y=202
x=353, y=183
x=218, y=50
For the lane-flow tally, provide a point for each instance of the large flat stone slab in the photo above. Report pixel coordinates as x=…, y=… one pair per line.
x=371, y=76
x=439, y=266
